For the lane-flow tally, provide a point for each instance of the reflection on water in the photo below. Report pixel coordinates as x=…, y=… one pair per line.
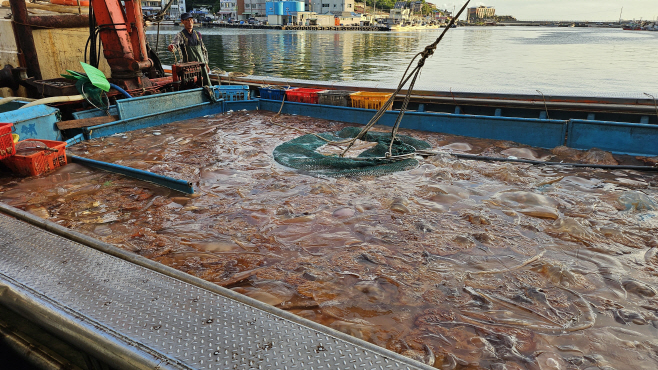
x=460, y=264
x=582, y=61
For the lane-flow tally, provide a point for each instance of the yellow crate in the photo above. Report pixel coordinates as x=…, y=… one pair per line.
x=369, y=100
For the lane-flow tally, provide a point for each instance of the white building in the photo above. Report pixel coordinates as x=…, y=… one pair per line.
x=481, y=12
x=335, y=7
x=151, y=6
x=175, y=10
x=313, y=19
x=397, y=16
x=228, y=9
x=155, y=6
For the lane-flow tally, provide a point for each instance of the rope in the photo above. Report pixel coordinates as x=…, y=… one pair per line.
x=290, y=127
x=329, y=142
x=177, y=49
x=157, y=40
x=413, y=75
x=531, y=161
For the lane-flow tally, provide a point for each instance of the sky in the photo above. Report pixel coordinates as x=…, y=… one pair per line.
x=586, y=10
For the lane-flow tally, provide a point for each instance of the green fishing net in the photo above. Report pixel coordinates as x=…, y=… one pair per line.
x=300, y=153
x=91, y=85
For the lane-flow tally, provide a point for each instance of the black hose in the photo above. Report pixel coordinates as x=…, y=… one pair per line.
x=86, y=46
x=98, y=48
x=530, y=161
x=92, y=39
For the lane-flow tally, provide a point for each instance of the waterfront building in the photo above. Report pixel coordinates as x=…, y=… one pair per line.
x=155, y=6
x=335, y=7
x=400, y=5
x=283, y=12
x=440, y=18
x=200, y=13
x=480, y=13
x=398, y=16
x=176, y=9
x=254, y=9
x=228, y=9
x=312, y=19
x=416, y=6
x=151, y=6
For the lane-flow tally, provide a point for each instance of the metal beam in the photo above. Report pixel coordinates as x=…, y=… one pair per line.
x=24, y=38
x=168, y=182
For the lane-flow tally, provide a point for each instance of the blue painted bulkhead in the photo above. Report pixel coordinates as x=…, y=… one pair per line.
x=153, y=110
x=541, y=133
x=36, y=122
x=241, y=105
x=95, y=113
x=616, y=137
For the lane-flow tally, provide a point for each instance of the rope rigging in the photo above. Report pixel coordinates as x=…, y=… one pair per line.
x=413, y=76
x=429, y=51
x=385, y=153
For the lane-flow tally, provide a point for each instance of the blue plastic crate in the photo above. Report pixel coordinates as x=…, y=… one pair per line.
x=274, y=93
x=231, y=92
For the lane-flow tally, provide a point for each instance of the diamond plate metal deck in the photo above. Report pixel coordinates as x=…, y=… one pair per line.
x=165, y=321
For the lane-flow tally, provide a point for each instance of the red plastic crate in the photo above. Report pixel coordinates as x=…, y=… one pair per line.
x=303, y=95
x=6, y=141
x=40, y=162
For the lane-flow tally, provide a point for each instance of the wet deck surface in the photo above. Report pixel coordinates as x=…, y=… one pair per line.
x=101, y=298
x=460, y=264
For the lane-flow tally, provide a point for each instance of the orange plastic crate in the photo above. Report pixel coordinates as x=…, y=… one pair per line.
x=6, y=141
x=303, y=95
x=369, y=100
x=40, y=162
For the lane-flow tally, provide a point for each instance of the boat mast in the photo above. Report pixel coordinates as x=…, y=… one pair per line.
x=621, y=11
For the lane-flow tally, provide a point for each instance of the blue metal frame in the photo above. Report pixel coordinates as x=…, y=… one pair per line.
x=541, y=133
x=240, y=105
x=154, y=110
x=168, y=182
x=616, y=137
x=75, y=140
x=95, y=113
x=621, y=138
x=147, y=105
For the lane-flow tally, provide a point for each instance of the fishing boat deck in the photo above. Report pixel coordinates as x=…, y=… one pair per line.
x=131, y=316
x=454, y=263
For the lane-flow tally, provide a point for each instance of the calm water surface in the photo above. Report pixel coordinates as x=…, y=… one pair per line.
x=579, y=61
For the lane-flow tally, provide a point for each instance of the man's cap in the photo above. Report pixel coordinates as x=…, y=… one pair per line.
x=185, y=16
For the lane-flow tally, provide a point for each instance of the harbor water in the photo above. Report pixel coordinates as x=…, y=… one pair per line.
x=459, y=264
x=557, y=61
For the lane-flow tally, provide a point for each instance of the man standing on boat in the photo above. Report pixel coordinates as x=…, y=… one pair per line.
x=191, y=46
